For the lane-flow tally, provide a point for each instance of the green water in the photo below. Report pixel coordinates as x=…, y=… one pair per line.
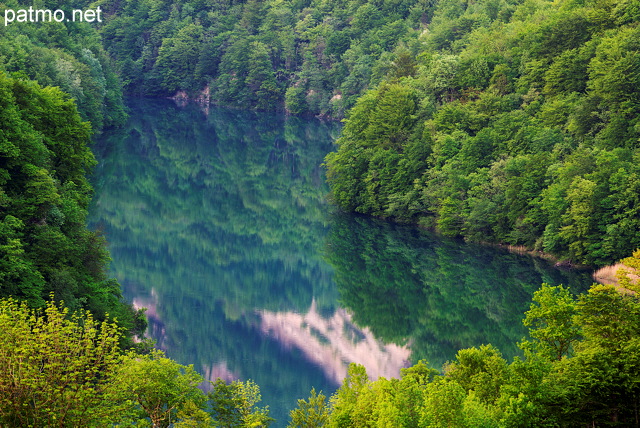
x=218, y=224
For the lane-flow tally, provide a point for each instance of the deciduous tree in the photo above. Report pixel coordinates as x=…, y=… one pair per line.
x=56, y=368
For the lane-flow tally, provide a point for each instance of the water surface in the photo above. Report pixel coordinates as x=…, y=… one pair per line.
x=218, y=223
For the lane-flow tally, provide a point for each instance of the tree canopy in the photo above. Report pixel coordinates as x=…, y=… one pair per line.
x=45, y=247
x=65, y=54
x=517, y=127
x=305, y=57
x=63, y=368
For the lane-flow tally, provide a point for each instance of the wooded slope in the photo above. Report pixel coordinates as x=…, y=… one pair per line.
x=518, y=125
x=68, y=55
x=45, y=247
x=305, y=56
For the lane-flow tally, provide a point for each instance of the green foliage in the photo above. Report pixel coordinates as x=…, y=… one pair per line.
x=311, y=413
x=59, y=368
x=360, y=402
x=443, y=405
x=550, y=321
x=312, y=57
x=481, y=370
x=68, y=55
x=522, y=114
x=344, y=403
x=629, y=276
x=56, y=368
x=178, y=57
x=234, y=405
x=600, y=383
x=161, y=389
x=367, y=169
x=45, y=246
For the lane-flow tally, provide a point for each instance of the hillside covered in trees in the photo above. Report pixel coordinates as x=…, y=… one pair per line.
x=45, y=247
x=518, y=125
x=512, y=122
x=68, y=55
x=305, y=56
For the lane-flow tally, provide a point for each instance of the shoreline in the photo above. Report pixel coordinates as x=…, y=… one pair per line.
x=605, y=275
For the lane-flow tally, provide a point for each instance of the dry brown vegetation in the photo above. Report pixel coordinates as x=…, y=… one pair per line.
x=611, y=275
x=607, y=274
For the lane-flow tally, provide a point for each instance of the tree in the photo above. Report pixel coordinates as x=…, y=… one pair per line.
x=550, y=321
x=343, y=402
x=234, y=405
x=56, y=368
x=450, y=217
x=481, y=370
x=443, y=405
x=44, y=242
x=614, y=75
x=260, y=78
x=177, y=60
x=404, y=64
x=160, y=389
x=310, y=414
x=392, y=117
x=600, y=383
x=581, y=216
x=17, y=273
x=629, y=278
x=295, y=102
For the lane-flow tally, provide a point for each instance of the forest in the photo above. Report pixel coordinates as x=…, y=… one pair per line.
x=516, y=125
x=512, y=122
x=44, y=195
x=66, y=55
x=303, y=56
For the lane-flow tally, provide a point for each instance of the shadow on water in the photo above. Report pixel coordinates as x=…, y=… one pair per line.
x=218, y=224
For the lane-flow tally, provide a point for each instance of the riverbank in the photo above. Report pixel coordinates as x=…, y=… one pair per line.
x=605, y=275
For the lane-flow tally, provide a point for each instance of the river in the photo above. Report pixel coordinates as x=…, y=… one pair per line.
x=218, y=224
